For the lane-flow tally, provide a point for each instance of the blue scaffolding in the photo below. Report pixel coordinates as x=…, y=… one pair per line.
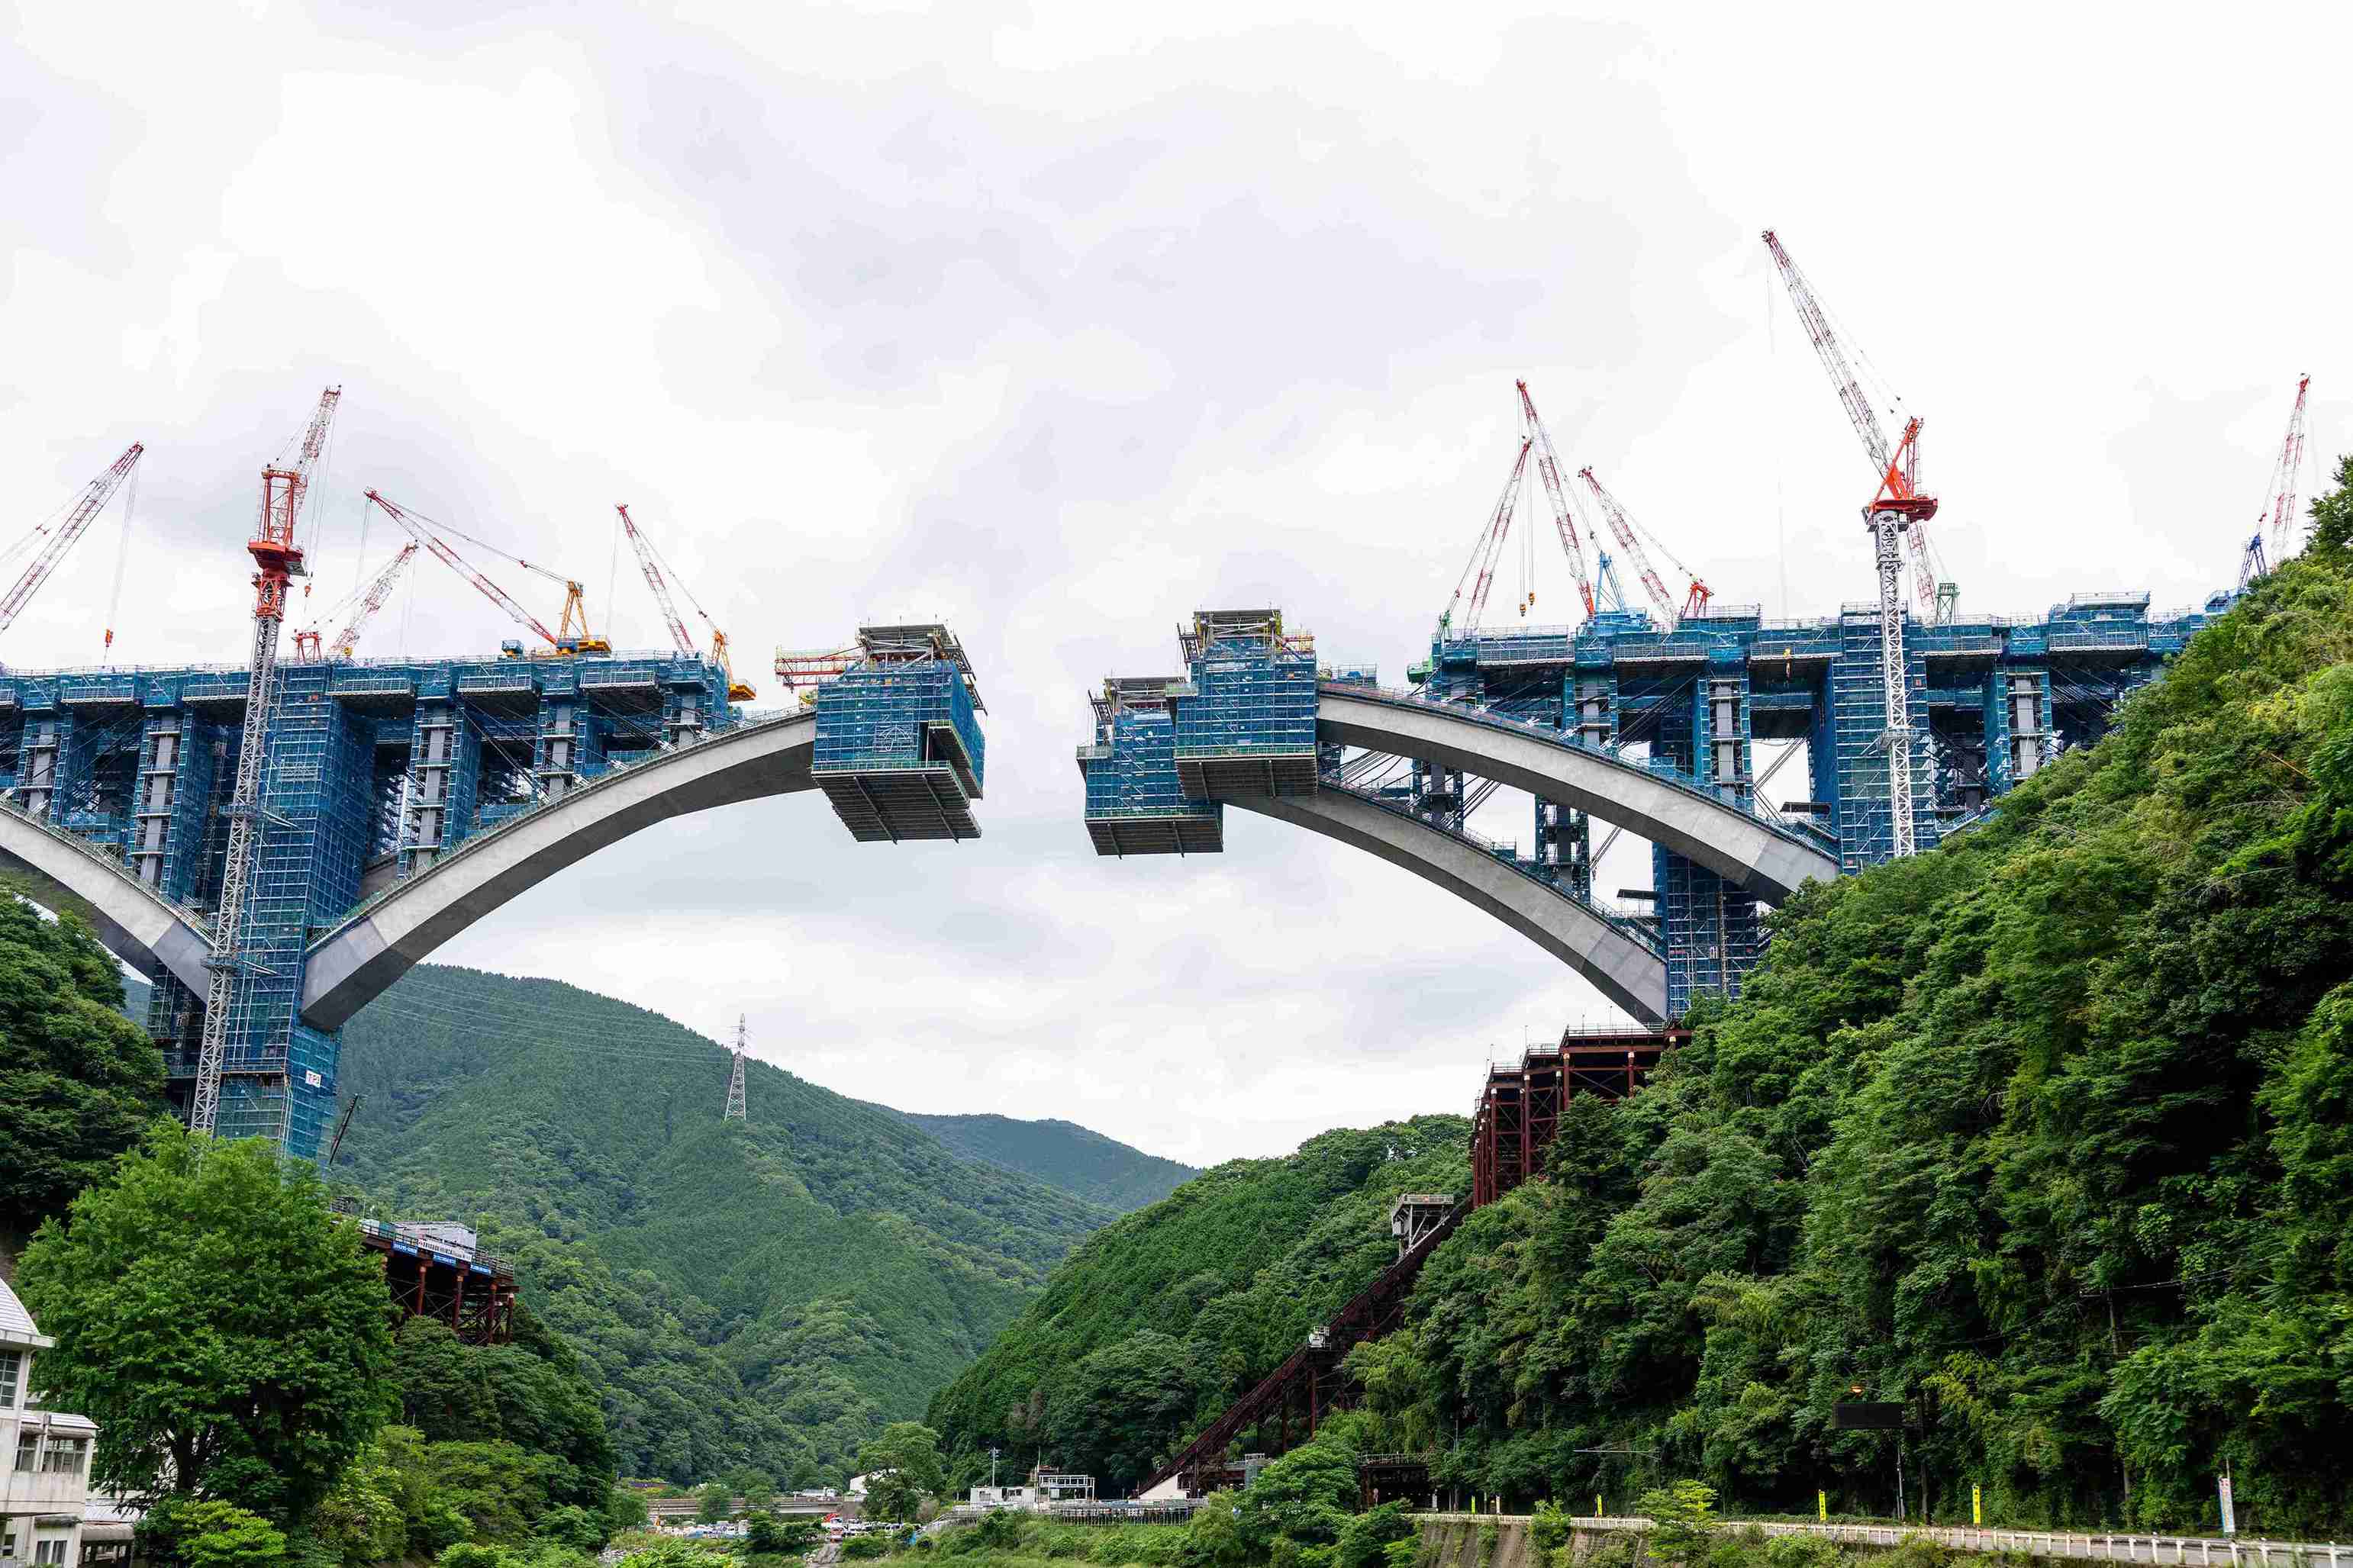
x=898, y=747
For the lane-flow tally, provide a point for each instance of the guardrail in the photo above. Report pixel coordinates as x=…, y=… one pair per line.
x=200, y=923
x=2137, y=1547
x=484, y=835
x=1664, y=773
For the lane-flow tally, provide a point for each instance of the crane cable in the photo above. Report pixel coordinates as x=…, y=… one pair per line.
x=122, y=560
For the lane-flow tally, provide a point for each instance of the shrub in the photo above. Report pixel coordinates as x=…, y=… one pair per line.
x=210, y=1533
x=860, y=1547
x=1800, y=1551
x=1549, y=1526
x=1365, y=1539
x=1682, y=1519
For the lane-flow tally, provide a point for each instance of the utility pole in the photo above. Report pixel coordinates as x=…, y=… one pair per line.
x=735, y=1080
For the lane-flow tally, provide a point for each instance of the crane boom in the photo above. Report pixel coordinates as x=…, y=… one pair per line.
x=1480, y=570
x=377, y=592
x=1897, y=468
x=655, y=579
x=456, y=562
x=1563, y=520
x=2284, y=475
x=1671, y=611
x=92, y=500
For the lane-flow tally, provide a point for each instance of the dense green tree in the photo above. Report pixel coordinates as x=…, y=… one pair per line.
x=902, y=1467
x=714, y=1501
x=530, y=1393
x=226, y=1334
x=1125, y=1406
x=209, y=1533
x=78, y=1081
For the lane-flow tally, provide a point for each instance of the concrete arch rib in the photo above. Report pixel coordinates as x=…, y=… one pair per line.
x=136, y=926
x=351, y=964
x=1770, y=862
x=1621, y=968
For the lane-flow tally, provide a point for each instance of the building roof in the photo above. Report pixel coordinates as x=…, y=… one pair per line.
x=16, y=1324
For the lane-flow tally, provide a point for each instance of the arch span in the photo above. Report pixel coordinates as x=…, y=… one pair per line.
x=378, y=942
x=153, y=936
x=1769, y=860
x=1629, y=974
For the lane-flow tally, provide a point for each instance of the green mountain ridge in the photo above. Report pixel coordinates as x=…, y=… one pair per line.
x=768, y=1291
x=1063, y=1154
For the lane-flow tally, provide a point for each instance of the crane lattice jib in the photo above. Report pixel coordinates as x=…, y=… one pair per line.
x=1479, y=570
x=1833, y=357
x=1623, y=529
x=654, y=580
x=1548, y=469
x=456, y=562
x=2284, y=476
x=93, y=498
x=377, y=592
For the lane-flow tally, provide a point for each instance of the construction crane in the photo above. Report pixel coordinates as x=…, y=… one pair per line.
x=1548, y=469
x=1897, y=467
x=561, y=643
x=2280, y=501
x=1897, y=507
x=379, y=589
x=277, y=559
x=1479, y=572
x=86, y=507
x=651, y=562
x=1671, y=611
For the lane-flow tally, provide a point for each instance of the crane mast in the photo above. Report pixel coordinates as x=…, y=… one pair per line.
x=277, y=559
x=1898, y=508
x=93, y=498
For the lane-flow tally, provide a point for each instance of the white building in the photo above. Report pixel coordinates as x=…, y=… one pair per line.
x=44, y=1454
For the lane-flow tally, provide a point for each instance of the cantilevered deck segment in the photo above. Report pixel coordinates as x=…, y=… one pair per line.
x=898, y=747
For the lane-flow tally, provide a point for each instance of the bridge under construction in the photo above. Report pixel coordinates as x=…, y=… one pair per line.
x=274, y=843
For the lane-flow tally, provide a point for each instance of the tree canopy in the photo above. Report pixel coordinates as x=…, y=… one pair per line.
x=225, y=1332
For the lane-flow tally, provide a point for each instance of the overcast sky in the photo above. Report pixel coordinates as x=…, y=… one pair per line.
x=1058, y=322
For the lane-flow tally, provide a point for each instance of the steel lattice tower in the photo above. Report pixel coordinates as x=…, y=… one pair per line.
x=735, y=1079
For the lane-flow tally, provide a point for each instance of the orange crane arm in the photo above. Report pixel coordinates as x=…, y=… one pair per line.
x=377, y=592
x=654, y=580
x=456, y=562
x=93, y=497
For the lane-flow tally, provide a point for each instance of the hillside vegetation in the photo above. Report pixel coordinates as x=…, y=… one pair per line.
x=767, y=1293
x=2047, y=1135
x=1062, y=1155
x=1158, y=1322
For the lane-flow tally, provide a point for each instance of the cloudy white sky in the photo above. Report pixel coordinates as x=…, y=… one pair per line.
x=1058, y=322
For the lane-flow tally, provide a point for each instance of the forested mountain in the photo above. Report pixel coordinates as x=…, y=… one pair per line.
x=767, y=1291
x=1063, y=1154
x=1159, y=1321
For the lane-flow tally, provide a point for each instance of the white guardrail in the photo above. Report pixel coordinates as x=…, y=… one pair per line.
x=2212, y=1550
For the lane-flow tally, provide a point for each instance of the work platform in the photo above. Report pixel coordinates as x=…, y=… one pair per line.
x=437, y=1270
x=899, y=746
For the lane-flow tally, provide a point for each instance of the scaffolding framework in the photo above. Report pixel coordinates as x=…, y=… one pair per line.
x=899, y=748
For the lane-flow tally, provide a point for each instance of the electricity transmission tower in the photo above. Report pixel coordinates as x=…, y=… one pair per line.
x=735, y=1079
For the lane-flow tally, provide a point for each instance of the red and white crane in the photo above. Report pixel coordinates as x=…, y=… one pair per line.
x=1899, y=508
x=379, y=589
x=1479, y=572
x=2281, y=498
x=1671, y=610
x=419, y=530
x=651, y=562
x=1897, y=468
x=61, y=538
x=277, y=559
x=1548, y=469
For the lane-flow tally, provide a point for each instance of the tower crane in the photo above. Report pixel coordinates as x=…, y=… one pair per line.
x=651, y=562
x=2286, y=473
x=277, y=559
x=86, y=506
x=1897, y=467
x=1671, y=611
x=1897, y=507
x=378, y=590
x=1563, y=520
